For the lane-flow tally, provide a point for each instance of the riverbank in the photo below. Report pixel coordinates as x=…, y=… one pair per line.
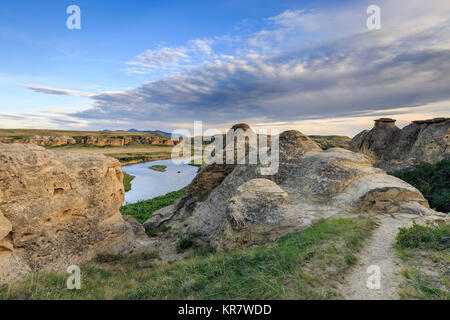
x=140, y=160
x=127, y=155
x=151, y=182
x=127, y=178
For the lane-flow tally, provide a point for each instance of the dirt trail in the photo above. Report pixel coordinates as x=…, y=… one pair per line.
x=378, y=251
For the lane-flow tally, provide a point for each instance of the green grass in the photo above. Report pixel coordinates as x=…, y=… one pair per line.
x=327, y=142
x=421, y=286
x=425, y=252
x=433, y=180
x=127, y=178
x=142, y=210
x=303, y=265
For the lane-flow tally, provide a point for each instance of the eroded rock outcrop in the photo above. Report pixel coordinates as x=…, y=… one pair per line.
x=98, y=141
x=392, y=148
x=52, y=141
x=58, y=209
x=246, y=208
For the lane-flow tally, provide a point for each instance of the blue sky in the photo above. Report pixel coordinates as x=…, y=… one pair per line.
x=308, y=65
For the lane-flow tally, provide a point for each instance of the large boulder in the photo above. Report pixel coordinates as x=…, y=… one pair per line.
x=246, y=208
x=58, y=209
x=255, y=213
x=392, y=148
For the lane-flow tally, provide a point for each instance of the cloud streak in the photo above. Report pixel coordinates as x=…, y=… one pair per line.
x=55, y=91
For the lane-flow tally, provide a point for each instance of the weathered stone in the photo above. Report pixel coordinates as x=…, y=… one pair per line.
x=58, y=209
x=242, y=126
x=242, y=209
x=138, y=228
x=294, y=144
x=392, y=148
x=254, y=213
x=55, y=141
x=50, y=141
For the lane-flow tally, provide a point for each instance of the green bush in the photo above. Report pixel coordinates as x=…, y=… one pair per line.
x=156, y=231
x=417, y=236
x=142, y=210
x=187, y=240
x=433, y=180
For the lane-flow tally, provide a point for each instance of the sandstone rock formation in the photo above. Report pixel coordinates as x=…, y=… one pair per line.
x=58, y=209
x=392, y=148
x=244, y=208
x=56, y=141
x=161, y=139
x=53, y=141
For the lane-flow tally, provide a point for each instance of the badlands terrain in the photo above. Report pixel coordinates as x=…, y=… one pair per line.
x=309, y=231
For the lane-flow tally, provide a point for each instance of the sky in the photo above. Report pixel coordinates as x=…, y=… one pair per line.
x=312, y=66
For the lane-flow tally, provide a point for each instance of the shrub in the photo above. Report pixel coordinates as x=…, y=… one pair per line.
x=186, y=240
x=155, y=231
x=433, y=180
x=417, y=236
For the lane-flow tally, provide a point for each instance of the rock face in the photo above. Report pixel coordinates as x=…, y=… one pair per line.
x=121, y=141
x=56, y=141
x=58, y=209
x=246, y=208
x=52, y=141
x=255, y=213
x=392, y=148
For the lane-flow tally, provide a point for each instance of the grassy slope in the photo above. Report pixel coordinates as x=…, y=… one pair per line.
x=327, y=142
x=143, y=209
x=425, y=253
x=127, y=178
x=304, y=265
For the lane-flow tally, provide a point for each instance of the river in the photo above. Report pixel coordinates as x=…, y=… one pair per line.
x=150, y=183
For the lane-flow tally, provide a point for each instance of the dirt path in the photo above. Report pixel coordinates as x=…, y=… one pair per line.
x=378, y=251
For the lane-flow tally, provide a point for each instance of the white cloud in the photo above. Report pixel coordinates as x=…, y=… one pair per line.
x=161, y=58
x=282, y=74
x=298, y=19
x=170, y=59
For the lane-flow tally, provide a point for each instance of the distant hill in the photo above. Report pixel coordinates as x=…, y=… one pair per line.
x=136, y=130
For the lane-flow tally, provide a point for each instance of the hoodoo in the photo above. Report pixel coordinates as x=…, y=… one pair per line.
x=392, y=148
x=238, y=207
x=58, y=209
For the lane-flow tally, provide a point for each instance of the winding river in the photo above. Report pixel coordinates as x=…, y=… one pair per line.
x=150, y=183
